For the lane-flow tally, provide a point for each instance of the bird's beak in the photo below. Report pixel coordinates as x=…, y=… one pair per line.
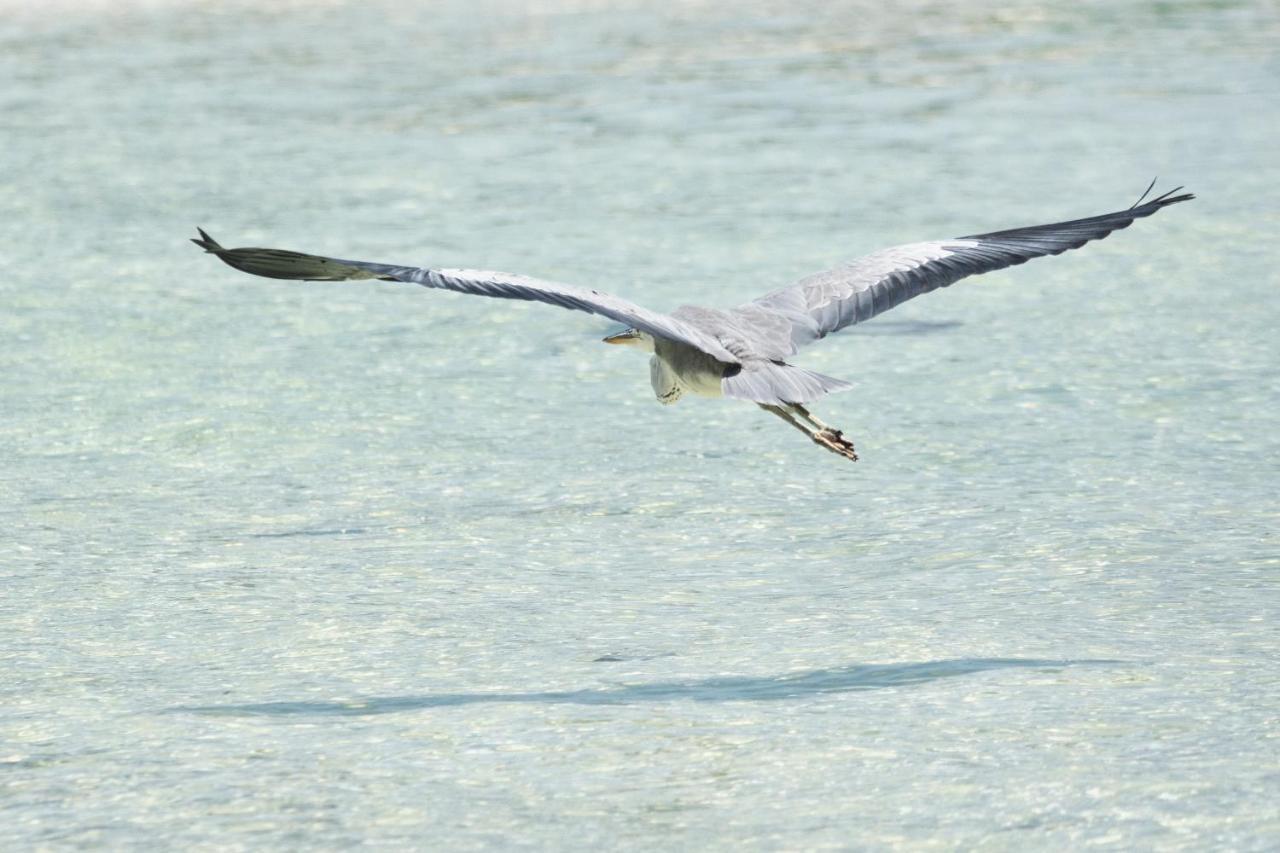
x=630, y=336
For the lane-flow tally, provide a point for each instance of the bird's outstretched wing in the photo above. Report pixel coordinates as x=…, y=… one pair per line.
x=278, y=263
x=820, y=304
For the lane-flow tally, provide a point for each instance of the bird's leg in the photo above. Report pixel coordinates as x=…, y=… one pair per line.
x=817, y=424
x=821, y=436
x=832, y=434
x=786, y=416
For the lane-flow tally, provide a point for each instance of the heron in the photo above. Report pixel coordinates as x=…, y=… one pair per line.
x=741, y=353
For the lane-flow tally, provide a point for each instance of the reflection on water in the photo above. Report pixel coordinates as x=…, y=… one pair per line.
x=841, y=680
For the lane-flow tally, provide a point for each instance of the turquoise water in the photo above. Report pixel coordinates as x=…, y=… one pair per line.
x=290, y=565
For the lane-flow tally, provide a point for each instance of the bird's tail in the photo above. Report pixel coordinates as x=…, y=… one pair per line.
x=776, y=384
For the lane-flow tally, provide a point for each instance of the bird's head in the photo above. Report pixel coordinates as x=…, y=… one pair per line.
x=632, y=338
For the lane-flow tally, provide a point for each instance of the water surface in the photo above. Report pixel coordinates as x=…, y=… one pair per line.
x=292, y=565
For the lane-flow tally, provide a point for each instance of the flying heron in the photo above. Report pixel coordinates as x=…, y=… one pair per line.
x=742, y=352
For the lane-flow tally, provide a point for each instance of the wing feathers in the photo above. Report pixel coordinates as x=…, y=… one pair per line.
x=828, y=301
x=769, y=328
x=278, y=263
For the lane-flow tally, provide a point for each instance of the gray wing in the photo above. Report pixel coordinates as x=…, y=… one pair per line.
x=278, y=263
x=814, y=307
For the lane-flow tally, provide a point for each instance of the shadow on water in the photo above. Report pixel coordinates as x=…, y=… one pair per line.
x=738, y=689
x=907, y=327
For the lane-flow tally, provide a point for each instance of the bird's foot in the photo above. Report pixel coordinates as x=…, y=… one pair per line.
x=834, y=440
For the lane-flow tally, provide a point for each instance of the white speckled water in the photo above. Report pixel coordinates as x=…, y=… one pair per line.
x=292, y=566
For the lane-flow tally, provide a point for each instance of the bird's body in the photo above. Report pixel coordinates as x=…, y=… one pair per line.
x=676, y=368
x=740, y=352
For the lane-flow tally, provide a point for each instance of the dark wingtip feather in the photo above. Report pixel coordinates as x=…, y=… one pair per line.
x=1144, y=192
x=1169, y=198
x=1160, y=200
x=206, y=242
x=1163, y=200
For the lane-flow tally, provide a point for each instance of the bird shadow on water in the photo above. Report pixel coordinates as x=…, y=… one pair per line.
x=735, y=689
x=907, y=327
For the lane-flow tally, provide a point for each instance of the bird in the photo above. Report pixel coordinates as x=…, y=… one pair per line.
x=741, y=353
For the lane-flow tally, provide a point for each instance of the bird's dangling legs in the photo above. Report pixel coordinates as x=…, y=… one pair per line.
x=834, y=434
x=800, y=410
x=827, y=435
x=821, y=434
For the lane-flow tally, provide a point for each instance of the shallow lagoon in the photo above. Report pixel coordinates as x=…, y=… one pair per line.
x=308, y=565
